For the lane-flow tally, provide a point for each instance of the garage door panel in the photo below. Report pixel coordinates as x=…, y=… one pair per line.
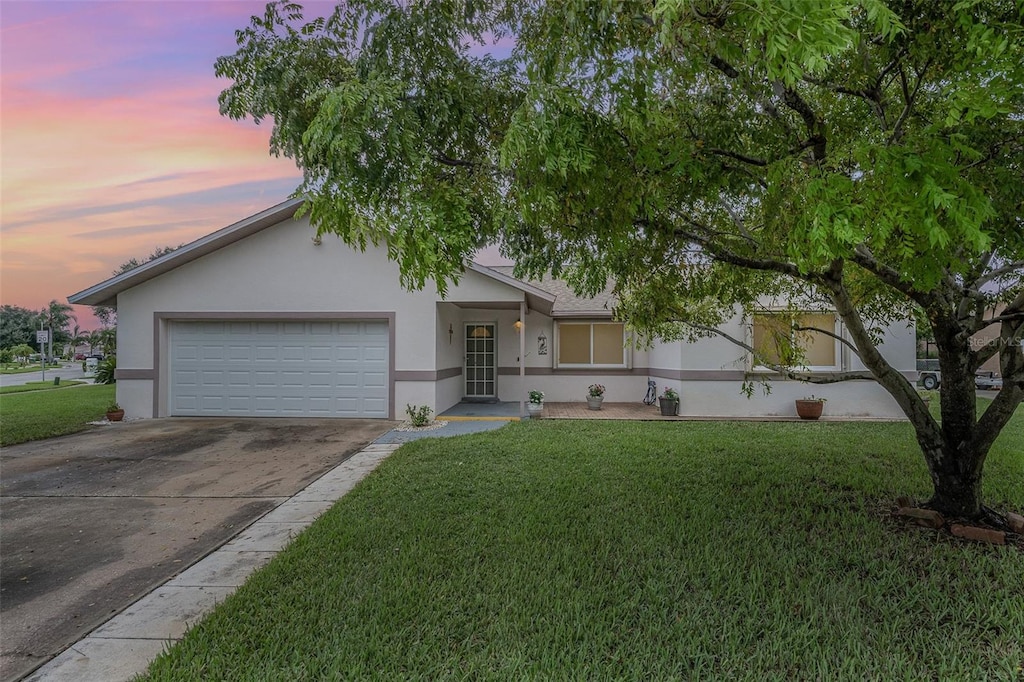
x=279, y=368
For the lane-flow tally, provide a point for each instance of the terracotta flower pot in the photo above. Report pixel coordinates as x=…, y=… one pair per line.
x=809, y=409
x=115, y=415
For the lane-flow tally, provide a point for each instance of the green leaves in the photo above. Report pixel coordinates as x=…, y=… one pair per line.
x=757, y=142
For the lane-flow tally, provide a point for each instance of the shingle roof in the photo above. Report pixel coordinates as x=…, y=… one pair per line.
x=567, y=303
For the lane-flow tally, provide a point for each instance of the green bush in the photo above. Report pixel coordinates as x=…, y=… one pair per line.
x=105, y=370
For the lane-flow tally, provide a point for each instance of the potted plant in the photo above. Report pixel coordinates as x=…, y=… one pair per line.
x=595, y=396
x=115, y=412
x=536, y=405
x=669, y=402
x=810, y=408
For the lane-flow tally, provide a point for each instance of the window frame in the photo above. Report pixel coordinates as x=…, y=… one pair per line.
x=627, y=356
x=795, y=315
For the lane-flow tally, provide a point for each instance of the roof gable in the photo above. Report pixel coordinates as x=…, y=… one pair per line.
x=105, y=293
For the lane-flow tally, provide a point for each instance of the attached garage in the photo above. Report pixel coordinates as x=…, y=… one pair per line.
x=278, y=368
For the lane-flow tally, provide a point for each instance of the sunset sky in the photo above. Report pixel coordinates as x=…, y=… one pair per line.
x=111, y=143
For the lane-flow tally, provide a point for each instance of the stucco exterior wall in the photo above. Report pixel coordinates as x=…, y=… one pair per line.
x=280, y=270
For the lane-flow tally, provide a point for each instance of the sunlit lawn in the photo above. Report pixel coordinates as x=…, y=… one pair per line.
x=34, y=415
x=627, y=550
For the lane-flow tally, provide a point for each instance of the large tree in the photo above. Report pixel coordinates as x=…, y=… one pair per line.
x=17, y=326
x=703, y=154
x=57, y=317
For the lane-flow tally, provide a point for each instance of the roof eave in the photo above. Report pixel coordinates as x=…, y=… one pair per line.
x=537, y=299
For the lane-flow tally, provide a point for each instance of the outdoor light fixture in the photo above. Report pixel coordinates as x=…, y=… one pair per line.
x=518, y=325
x=451, y=333
x=542, y=344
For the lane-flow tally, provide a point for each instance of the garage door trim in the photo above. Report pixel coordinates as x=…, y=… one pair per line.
x=161, y=329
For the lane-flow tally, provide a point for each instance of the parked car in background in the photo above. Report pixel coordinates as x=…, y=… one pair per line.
x=931, y=379
x=988, y=381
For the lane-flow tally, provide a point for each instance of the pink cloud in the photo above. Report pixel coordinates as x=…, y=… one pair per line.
x=112, y=142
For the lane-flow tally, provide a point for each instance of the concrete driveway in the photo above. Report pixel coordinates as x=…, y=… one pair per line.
x=93, y=521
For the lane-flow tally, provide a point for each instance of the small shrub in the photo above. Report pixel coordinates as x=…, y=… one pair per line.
x=419, y=415
x=536, y=397
x=105, y=370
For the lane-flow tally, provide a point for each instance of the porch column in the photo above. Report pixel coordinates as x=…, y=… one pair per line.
x=522, y=359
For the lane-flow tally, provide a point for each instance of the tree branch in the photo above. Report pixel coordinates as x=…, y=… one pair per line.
x=815, y=129
x=739, y=157
x=909, y=98
x=1015, y=266
x=863, y=257
x=837, y=337
x=925, y=426
x=717, y=252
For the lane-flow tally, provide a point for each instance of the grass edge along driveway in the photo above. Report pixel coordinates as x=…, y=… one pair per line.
x=630, y=550
x=34, y=415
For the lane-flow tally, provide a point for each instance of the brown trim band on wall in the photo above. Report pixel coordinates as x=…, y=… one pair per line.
x=547, y=371
x=129, y=374
x=426, y=374
x=697, y=374
x=678, y=375
x=161, y=318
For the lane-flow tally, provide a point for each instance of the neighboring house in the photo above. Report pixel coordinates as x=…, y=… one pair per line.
x=260, y=319
x=987, y=336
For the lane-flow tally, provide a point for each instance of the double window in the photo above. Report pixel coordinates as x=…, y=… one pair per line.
x=790, y=339
x=592, y=344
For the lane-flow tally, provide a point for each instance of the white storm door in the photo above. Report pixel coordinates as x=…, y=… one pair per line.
x=481, y=360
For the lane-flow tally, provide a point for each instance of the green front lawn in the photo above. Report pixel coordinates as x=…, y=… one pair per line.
x=38, y=386
x=43, y=414
x=630, y=550
x=18, y=369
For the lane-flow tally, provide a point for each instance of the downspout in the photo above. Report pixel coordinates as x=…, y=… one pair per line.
x=522, y=359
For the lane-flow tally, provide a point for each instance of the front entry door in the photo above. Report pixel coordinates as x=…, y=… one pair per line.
x=481, y=360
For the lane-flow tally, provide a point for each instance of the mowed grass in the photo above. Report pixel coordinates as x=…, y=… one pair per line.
x=35, y=415
x=38, y=386
x=627, y=550
x=18, y=369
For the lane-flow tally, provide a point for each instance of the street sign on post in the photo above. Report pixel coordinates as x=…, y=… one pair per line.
x=42, y=338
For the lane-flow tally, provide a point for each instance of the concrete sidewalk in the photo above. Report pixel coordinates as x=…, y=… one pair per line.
x=125, y=645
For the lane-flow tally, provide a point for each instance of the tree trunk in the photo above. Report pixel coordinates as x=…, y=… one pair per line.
x=956, y=480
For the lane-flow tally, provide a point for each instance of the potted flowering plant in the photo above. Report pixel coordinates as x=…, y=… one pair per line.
x=595, y=396
x=536, y=404
x=115, y=412
x=810, y=408
x=669, y=402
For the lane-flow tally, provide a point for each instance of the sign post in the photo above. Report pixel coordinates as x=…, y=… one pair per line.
x=42, y=337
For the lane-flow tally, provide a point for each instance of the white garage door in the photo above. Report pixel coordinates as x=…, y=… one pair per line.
x=279, y=369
